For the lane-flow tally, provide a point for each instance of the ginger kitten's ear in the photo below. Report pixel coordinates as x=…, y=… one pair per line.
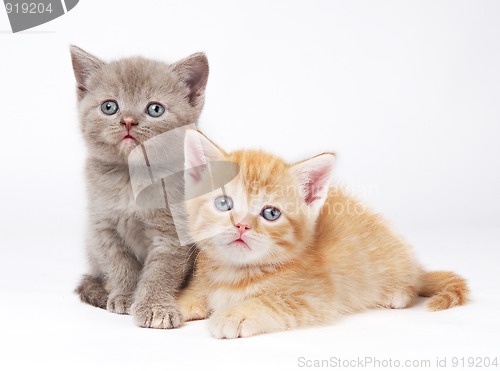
x=313, y=177
x=84, y=65
x=198, y=151
x=193, y=70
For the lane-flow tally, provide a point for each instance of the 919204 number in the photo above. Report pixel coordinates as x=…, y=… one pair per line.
x=28, y=8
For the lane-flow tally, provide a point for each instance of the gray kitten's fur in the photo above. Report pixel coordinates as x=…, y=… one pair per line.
x=136, y=263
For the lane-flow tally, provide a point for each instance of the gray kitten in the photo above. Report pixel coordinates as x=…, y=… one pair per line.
x=136, y=263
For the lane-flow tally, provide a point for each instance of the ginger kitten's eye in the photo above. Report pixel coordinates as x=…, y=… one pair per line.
x=223, y=203
x=155, y=110
x=270, y=213
x=109, y=107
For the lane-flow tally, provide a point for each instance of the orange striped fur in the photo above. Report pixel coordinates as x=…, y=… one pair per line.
x=313, y=264
x=445, y=289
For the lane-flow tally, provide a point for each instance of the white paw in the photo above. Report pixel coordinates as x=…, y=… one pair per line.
x=230, y=325
x=157, y=315
x=400, y=300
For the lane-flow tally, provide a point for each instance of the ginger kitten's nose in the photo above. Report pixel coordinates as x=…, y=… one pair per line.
x=129, y=121
x=242, y=226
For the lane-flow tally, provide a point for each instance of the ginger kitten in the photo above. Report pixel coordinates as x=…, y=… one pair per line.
x=282, y=250
x=136, y=263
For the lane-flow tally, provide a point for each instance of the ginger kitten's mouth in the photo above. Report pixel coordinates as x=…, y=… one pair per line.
x=240, y=244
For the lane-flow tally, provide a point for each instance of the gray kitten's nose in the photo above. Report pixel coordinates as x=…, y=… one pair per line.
x=129, y=121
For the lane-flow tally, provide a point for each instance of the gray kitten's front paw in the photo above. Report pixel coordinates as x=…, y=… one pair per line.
x=157, y=315
x=119, y=304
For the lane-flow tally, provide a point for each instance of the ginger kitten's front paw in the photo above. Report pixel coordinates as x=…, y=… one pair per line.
x=192, y=307
x=193, y=312
x=157, y=315
x=119, y=304
x=232, y=325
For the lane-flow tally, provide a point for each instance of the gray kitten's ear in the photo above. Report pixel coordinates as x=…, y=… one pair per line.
x=84, y=65
x=198, y=152
x=193, y=70
x=313, y=177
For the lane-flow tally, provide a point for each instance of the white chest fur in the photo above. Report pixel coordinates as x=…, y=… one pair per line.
x=224, y=298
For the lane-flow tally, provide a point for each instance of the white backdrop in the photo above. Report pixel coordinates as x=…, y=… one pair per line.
x=406, y=92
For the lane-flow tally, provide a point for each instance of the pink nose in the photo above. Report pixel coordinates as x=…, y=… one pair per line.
x=129, y=121
x=242, y=227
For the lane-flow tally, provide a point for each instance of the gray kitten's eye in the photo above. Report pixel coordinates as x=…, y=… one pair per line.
x=155, y=110
x=110, y=107
x=223, y=203
x=270, y=213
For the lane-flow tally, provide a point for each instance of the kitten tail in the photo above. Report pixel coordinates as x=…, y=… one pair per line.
x=445, y=290
x=91, y=291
